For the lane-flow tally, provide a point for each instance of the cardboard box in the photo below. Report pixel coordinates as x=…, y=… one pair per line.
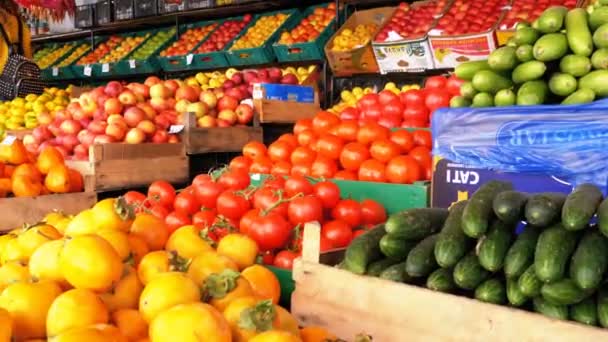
x=283, y=92
x=361, y=59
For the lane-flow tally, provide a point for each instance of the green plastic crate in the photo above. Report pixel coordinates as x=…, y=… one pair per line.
x=130, y=66
x=394, y=197
x=56, y=73
x=308, y=51
x=261, y=54
x=210, y=60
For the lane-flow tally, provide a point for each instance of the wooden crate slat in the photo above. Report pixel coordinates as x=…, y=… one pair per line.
x=217, y=139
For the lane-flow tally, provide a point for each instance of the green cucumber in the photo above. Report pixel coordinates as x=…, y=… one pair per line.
x=509, y=205
x=574, y=65
x=597, y=81
x=599, y=59
x=544, y=208
x=363, y=250
x=580, y=206
x=525, y=36
x=466, y=71
x=590, y=261
x=598, y=17
x=467, y=90
x=521, y=254
x=490, y=82
x=395, y=273
x=395, y=247
x=452, y=244
x=416, y=224
x=528, y=71
x=577, y=31
x=580, y=96
x=552, y=19
x=550, y=47
x=504, y=98
x=482, y=99
x=600, y=36
x=421, y=260
x=553, y=251
x=532, y=93
x=441, y=280
x=529, y=284
x=584, y=312
x=514, y=294
x=563, y=292
x=602, y=307
x=491, y=291
x=375, y=268
x=493, y=248
x=562, y=84
x=502, y=59
x=602, y=217
x=478, y=211
x=550, y=310
x=524, y=53
x=468, y=273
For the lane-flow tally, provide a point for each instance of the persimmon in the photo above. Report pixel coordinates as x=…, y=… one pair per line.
x=187, y=242
x=113, y=213
x=24, y=186
x=119, y=241
x=28, y=170
x=315, y=334
x=138, y=247
x=15, y=153
x=165, y=291
x=151, y=229
x=6, y=326
x=6, y=187
x=130, y=323
x=36, y=235
x=190, y=323
x=207, y=264
x=75, y=309
x=225, y=287
x=125, y=293
x=44, y=262
x=76, y=181
x=48, y=158
x=250, y=316
x=159, y=262
x=240, y=248
x=276, y=336
x=13, y=272
x=58, y=179
x=263, y=282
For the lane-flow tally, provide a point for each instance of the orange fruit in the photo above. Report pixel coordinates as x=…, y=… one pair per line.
x=125, y=293
x=13, y=272
x=76, y=181
x=190, y=323
x=159, y=262
x=151, y=229
x=113, y=214
x=58, y=179
x=240, y=248
x=49, y=157
x=138, y=247
x=208, y=263
x=187, y=242
x=165, y=291
x=44, y=263
x=130, y=323
x=77, y=308
x=263, y=282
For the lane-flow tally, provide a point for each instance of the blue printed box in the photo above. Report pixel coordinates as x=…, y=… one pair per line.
x=283, y=92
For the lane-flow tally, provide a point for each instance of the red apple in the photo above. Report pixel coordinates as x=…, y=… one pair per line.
x=44, y=118
x=249, y=76
x=81, y=152
x=160, y=137
x=70, y=126
x=209, y=98
x=182, y=106
x=206, y=121
x=69, y=141
x=117, y=119
x=275, y=73
x=87, y=104
x=172, y=85
x=227, y=115
x=244, y=113
x=140, y=89
x=162, y=122
x=133, y=116
x=236, y=93
x=135, y=136
x=97, y=127
x=237, y=78
x=147, y=108
x=147, y=126
x=228, y=84
x=113, y=88
x=116, y=131
x=127, y=98
x=159, y=90
x=113, y=106
x=289, y=79
x=42, y=133
x=103, y=139
x=227, y=102
x=159, y=103
x=152, y=80
x=173, y=139
x=187, y=93
x=198, y=109
x=223, y=123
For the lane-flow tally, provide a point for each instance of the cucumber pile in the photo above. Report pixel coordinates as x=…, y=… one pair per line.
x=561, y=58
x=557, y=265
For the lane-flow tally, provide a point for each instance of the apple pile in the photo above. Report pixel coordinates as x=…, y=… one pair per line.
x=125, y=47
x=224, y=34
x=188, y=40
x=310, y=27
x=471, y=16
x=530, y=10
x=411, y=21
x=133, y=113
x=261, y=30
x=100, y=51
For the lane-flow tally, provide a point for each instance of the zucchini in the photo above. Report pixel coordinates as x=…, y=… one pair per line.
x=396, y=248
x=468, y=273
x=396, y=273
x=452, y=243
x=416, y=224
x=509, y=205
x=363, y=250
x=441, y=280
x=602, y=217
x=580, y=206
x=491, y=291
x=529, y=284
x=514, y=294
x=563, y=292
x=521, y=253
x=553, y=250
x=495, y=245
x=550, y=310
x=544, y=209
x=421, y=260
x=584, y=312
x=375, y=268
x=478, y=211
x=590, y=261
x=602, y=307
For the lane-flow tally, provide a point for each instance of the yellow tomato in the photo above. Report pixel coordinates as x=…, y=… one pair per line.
x=240, y=248
x=192, y=322
x=77, y=308
x=125, y=293
x=113, y=213
x=165, y=291
x=187, y=242
x=208, y=263
x=28, y=305
x=90, y=262
x=44, y=263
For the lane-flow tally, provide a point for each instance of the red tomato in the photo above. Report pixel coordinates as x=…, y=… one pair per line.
x=349, y=211
x=350, y=113
x=175, y=220
x=232, y=205
x=345, y=175
x=394, y=108
x=267, y=258
x=386, y=96
x=297, y=184
x=303, y=155
x=372, y=171
x=290, y=139
x=136, y=199
x=422, y=155
x=436, y=99
x=373, y=112
x=323, y=167
x=371, y=132
x=158, y=211
x=281, y=168
x=323, y=122
x=453, y=85
x=404, y=139
x=414, y=123
x=207, y=192
x=247, y=220
x=338, y=232
x=329, y=146
x=267, y=198
x=261, y=165
x=384, y=150
x=347, y=130
x=204, y=218
x=328, y=192
x=390, y=121
x=403, y=170
x=254, y=149
x=416, y=113
x=279, y=150
x=435, y=82
x=241, y=163
x=284, y=259
x=423, y=138
x=161, y=192
x=302, y=125
x=300, y=170
x=270, y=232
x=353, y=155
x=307, y=138
x=186, y=203
x=372, y=212
x=234, y=180
x=358, y=232
x=274, y=183
x=412, y=97
x=305, y=209
x=368, y=100
x=200, y=179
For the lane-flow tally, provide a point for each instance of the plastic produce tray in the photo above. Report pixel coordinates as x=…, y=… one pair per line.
x=130, y=66
x=56, y=73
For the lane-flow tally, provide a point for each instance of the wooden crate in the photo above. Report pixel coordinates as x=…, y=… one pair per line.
x=19, y=133
x=285, y=112
x=120, y=166
x=17, y=211
x=217, y=139
x=348, y=304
